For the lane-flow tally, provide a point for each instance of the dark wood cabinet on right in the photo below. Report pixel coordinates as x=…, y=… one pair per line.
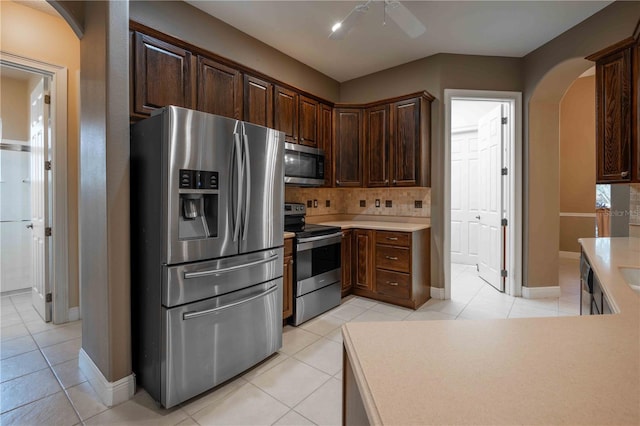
x=617, y=146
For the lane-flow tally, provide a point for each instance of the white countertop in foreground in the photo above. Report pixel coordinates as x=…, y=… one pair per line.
x=378, y=225
x=565, y=370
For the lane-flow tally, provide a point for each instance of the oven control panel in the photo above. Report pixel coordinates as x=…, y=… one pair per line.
x=295, y=209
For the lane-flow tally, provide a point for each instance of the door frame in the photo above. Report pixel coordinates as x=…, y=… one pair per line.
x=513, y=244
x=59, y=244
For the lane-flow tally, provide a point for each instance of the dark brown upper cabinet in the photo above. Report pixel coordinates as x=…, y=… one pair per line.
x=285, y=113
x=347, y=146
x=219, y=89
x=161, y=75
x=325, y=141
x=376, y=153
x=309, y=115
x=409, y=141
x=616, y=114
x=258, y=101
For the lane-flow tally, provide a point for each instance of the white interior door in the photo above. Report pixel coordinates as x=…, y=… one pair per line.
x=464, y=197
x=490, y=145
x=39, y=119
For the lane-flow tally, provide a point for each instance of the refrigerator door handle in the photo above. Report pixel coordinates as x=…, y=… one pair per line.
x=196, y=314
x=198, y=274
x=237, y=149
x=247, y=170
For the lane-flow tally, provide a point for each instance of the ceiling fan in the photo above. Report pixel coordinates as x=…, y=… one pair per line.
x=402, y=16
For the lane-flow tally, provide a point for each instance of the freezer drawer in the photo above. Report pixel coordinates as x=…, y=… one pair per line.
x=200, y=280
x=314, y=303
x=209, y=342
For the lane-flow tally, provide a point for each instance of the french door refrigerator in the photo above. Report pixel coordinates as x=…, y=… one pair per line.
x=207, y=198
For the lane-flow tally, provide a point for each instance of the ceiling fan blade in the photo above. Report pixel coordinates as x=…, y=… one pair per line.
x=349, y=22
x=406, y=20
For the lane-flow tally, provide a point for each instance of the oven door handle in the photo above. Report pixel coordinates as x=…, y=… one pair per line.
x=321, y=237
x=196, y=314
x=188, y=275
x=314, y=242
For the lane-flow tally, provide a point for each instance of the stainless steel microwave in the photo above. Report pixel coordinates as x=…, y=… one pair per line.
x=303, y=165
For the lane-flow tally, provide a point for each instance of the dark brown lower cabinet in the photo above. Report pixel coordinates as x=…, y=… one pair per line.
x=363, y=259
x=287, y=285
x=346, y=262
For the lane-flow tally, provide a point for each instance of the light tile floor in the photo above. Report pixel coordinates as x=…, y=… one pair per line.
x=40, y=381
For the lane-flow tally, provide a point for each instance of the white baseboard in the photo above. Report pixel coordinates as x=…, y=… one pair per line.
x=569, y=255
x=74, y=313
x=111, y=393
x=540, y=292
x=437, y=293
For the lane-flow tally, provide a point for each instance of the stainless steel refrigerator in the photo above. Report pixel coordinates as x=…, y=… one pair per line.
x=207, y=198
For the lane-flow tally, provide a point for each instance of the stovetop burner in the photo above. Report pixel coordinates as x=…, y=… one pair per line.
x=294, y=221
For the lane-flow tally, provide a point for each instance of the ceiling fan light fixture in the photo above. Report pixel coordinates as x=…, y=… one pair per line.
x=338, y=32
x=336, y=26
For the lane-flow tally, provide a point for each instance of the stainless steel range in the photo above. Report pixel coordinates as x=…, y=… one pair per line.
x=207, y=250
x=317, y=265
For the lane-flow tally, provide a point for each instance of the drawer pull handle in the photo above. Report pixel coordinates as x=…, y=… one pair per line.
x=392, y=283
x=391, y=257
x=392, y=238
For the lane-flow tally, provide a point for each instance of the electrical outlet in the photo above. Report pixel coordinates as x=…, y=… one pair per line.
x=363, y=203
x=315, y=204
x=417, y=204
x=377, y=202
x=388, y=203
x=327, y=203
x=309, y=204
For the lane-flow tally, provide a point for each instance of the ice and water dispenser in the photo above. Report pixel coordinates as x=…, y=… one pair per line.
x=198, y=215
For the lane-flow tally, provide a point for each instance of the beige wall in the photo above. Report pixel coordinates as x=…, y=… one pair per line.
x=548, y=72
x=577, y=162
x=14, y=108
x=190, y=24
x=435, y=74
x=49, y=39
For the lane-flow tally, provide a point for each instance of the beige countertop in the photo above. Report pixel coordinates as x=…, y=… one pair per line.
x=289, y=235
x=565, y=370
x=379, y=226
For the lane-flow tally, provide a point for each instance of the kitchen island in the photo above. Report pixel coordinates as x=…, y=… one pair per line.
x=567, y=370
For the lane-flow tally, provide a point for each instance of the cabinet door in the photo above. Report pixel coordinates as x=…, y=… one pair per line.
x=286, y=113
x=219, y=89
x=376, y=146
x=287, y=289
x=363, y=252
x=613, y=117
x=347, y=144
x=405, y=142
x=325, y=141
x=258, y=101
x=309, y=110
x=161, y=75
x=346, y=263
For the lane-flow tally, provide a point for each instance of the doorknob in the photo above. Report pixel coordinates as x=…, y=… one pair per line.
x=30, y=226
x=478, y=217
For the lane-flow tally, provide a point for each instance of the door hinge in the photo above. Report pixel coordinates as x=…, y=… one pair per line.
x=503, y=273
x=47, y=99
x=48, y=298
x=47, y=231
x=504, y=171
x=504, y=120
x=47, y=165
x=504, y=222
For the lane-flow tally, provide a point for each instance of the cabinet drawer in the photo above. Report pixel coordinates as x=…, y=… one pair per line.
x=394, y=258
x=393, y=238
x=393, y=284
x=288, y=247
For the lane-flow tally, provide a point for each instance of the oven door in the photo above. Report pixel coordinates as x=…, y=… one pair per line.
x=318, y=262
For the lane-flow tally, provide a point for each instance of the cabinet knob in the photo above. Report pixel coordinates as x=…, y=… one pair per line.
x=391, y=257
x=624, y=174
x=337, y=182
x=301, y=139
x=386, y=181
x=393, y=283
x=395, y=182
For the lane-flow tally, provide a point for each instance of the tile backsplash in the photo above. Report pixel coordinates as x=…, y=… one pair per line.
x=403, y=201
x=634, y=204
